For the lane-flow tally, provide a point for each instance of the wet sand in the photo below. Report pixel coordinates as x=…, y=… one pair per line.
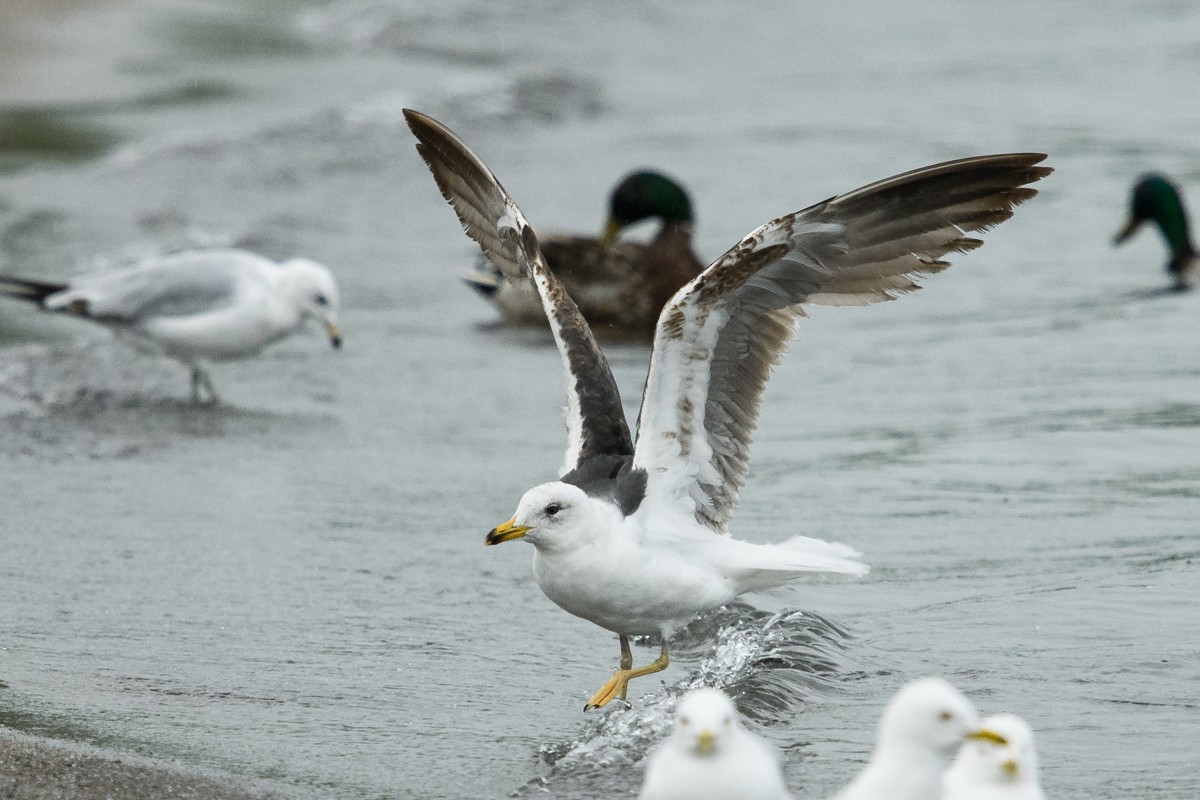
x=33, y=768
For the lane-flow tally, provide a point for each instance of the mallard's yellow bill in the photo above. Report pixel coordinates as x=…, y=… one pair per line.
x=1127, y=230
x=611, y=231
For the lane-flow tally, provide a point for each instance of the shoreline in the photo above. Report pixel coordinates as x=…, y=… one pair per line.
x=36, y=768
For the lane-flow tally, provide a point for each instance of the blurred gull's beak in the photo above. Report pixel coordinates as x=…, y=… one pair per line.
x=705, y=741
x=984, y=735
x=503, y=533
x=335, y=333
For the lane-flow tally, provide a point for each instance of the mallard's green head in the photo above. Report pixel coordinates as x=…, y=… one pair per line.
x=1156, y=199
x=646, y=195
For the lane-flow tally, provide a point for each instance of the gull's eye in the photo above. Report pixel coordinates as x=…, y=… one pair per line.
x=946, y=716
x=728, y=721
x=321, y=300
x=553, y=509
x=683, y=720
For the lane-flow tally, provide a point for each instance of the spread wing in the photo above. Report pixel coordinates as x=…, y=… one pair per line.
x=596, y=423
x=719, y=336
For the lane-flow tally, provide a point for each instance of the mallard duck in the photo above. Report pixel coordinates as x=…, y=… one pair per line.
x=619, y=286
x=634, y=539
x=1156, y=199
x=196, y=307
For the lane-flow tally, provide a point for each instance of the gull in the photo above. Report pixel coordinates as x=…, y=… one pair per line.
x=921, y=729
x=635, y=540
x=1000, y=766
x=196, y=306
x=711, y=756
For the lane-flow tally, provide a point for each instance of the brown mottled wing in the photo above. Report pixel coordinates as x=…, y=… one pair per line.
x=719, y=336
x=595, y=419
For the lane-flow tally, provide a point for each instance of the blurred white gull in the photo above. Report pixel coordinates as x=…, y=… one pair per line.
x=711, y=756
x=921, y=729
x=197, y=306
x=1000, y=766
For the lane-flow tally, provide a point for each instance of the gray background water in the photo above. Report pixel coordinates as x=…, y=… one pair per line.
x=293, y=585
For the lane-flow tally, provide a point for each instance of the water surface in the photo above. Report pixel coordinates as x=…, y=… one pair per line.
x=293, y=586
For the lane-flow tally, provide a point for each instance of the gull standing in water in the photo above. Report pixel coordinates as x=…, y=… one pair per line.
x=196, y=306
x=635, y=539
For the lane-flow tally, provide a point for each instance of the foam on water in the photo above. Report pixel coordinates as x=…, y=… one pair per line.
x=769, y=663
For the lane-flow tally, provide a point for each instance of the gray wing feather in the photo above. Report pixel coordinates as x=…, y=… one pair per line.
x=720, y=335
x=596, y=424
x=179, y=285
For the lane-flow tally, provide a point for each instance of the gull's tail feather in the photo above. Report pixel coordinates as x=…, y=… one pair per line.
x=757, y=567
x=32, y=291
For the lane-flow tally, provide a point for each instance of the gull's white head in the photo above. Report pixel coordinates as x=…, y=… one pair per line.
x=554, y=516
x=1000, y=755
x=926, y=717
x=704, y=721
x=312, y=289
x=710, y=756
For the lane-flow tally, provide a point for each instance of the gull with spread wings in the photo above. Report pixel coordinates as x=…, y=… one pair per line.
x=635, y=539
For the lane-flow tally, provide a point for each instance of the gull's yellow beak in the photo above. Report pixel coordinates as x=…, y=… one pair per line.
x=1128, y=230
x=705, y=741
x=335, y=333
x=612, y=229
x=984, y=735
x=505, y=532
x=1011, y=768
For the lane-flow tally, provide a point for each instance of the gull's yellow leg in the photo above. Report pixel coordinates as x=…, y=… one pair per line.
x=619, y=682
x=626, y=661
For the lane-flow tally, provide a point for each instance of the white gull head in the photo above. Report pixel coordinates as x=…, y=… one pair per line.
x=711, y=756
x=311, y=290
x=557, y=517
x=921, y=729
x=998, y=763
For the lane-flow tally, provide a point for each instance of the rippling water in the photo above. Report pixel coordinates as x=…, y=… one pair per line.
x=293, y=585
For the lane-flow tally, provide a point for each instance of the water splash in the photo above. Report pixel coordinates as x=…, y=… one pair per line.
x=769, y=663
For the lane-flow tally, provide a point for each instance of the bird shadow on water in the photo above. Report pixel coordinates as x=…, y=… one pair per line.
x=769, y=663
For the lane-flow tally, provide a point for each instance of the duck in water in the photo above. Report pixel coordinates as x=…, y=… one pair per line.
x=1157, y=199
x=619, y=286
